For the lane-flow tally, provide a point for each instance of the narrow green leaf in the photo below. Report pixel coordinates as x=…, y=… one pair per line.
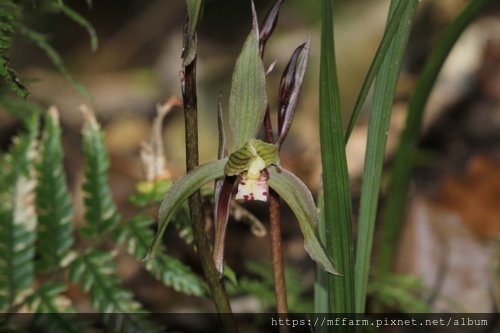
x=248, y=98
x=193, y=11
x=404, y=157
x=299, y=199
x=383, y=48
x=180, y=192
x=336, y=188
x=55, y=210
x=378, y=127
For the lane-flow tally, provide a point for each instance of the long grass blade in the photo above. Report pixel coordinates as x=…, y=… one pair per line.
x=404, y=157
x=385, y=85
x=389, y=33
x=337, y=195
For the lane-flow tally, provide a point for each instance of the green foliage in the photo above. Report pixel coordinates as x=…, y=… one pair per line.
x=402, y=292
x=95, y=271
x=378, y=127
x=90, y=267
x=12, y=23
x=261, y=285
x=40, y=40
x=178, y=194
x=137, y=235
x=9, y=14
x=19, y=107
x=404, y=158
x=55, y=209
x=18, y=218
x=100, y=211
x=53, y=309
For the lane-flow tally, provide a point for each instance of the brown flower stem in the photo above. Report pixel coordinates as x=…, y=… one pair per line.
x=275, y=233
x=188, y=82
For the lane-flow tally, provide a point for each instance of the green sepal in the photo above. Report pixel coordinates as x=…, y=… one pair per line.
x=240, y=160
x=180, y=192
x=248, y=98
x=295, y=193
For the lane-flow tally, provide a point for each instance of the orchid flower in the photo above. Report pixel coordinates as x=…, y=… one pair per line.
x=252, y=164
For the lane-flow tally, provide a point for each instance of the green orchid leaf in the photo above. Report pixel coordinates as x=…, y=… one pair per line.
x=193, y=12
x=248, y=98
x=300, y=200
x=241, y=159
x=179, y=192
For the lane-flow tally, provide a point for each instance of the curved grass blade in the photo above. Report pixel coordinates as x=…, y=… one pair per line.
x=378, y=126
x=389, y=33
x=180, y=192
x=299, y=199
x=41, y=41
x=403, y=159
x=77, y=18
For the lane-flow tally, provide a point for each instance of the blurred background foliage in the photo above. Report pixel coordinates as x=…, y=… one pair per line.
x=453, y=219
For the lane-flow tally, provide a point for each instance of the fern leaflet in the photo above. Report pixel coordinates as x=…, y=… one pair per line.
x=53, y=309
x=96, y=273
x=136, y=235
x=18, y=217
x=101, y=214
x=55, y=210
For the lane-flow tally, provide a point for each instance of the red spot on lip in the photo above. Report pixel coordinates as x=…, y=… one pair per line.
x=264, y=194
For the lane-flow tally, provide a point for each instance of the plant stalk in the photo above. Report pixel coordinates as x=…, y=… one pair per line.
x=275, y=234
x=188, y=82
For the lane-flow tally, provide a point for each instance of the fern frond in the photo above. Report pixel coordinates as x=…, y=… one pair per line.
x=18, y=217
x=96, y=273
x=136, y=236
x=101, y=214
x=9, y=13
x=41, y=41
x=55, y=210
x=53, y=309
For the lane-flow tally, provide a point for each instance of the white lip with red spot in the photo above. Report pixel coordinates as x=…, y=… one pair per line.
x=253, y=188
